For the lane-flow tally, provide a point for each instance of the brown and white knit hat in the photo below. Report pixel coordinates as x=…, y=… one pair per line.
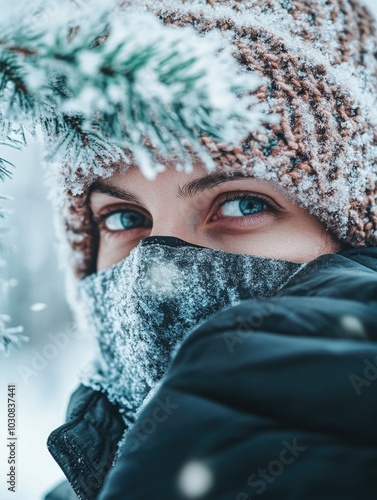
x=319, y=59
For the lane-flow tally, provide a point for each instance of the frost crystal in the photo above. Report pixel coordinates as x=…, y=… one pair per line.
x=101, y=91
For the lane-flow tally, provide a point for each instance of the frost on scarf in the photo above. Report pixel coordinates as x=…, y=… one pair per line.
x=143, y=307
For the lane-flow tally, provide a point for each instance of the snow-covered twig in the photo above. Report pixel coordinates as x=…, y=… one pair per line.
x=104, y=86
x=10, y=337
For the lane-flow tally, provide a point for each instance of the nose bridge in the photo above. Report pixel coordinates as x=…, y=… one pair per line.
x=170, y=229
x=172, y=220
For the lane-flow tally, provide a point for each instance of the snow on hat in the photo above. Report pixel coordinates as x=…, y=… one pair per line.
x=319, y=62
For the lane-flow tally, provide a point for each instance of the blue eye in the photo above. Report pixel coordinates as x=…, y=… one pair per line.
x=126, y=219
x=241, y=207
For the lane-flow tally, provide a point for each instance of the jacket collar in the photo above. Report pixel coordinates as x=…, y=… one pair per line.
x=84, y=447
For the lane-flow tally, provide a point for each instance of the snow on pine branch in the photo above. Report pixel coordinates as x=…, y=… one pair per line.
x=101, y=85
x=10, y=336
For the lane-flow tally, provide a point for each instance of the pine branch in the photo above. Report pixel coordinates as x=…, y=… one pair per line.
x=4, y=171
x=103, y=86
x=128, y=80
x=10, y=337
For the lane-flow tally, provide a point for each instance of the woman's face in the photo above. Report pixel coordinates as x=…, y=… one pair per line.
x=237, y=214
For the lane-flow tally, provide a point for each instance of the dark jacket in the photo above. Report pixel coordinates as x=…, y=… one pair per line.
x=273, y=398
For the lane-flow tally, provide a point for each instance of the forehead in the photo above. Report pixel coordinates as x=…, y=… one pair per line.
x=182, y=184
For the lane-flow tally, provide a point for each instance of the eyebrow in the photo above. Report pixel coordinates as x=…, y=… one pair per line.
x=208, y=182
x=187, y=190
x=101, y=187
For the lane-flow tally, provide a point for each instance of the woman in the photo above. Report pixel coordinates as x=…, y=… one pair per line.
x=235, y=311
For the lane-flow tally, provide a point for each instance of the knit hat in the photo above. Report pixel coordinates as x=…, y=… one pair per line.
x=318, y=58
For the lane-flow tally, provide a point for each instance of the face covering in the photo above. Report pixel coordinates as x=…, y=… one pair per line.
x=141, y=308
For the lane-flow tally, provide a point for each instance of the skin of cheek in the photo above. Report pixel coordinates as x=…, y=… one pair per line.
x=110, y=251
x=294, y=239
x=290, y=242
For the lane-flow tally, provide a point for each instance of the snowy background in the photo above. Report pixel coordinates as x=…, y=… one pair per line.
x=45, y=370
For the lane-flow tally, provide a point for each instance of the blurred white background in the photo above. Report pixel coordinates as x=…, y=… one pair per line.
x=45, y=370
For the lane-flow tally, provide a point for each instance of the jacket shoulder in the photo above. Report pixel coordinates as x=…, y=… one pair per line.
x=263, y=379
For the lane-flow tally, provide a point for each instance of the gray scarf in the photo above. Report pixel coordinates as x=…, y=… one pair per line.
x=141, y=308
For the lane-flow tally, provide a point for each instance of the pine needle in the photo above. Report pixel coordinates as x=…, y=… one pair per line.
x=124, y=80
x=102, y=85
